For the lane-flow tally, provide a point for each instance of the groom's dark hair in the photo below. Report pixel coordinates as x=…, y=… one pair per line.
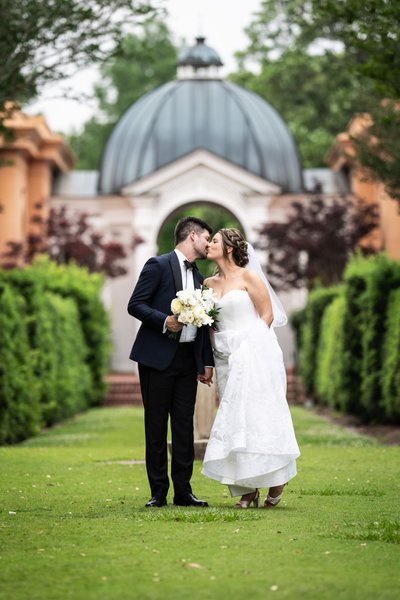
x=186, y=225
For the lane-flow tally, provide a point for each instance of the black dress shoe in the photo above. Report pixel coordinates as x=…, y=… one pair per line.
x=156, y=502
x=189, y=500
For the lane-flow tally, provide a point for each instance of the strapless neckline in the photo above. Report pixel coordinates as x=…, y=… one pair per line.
x=230, y=292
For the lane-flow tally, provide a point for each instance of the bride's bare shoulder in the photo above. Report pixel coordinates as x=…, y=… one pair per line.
x=252, y=281
x=250, y=276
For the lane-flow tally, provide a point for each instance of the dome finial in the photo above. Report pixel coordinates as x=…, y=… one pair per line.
x=199, y=61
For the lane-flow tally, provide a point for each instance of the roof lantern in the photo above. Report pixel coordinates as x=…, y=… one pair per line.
x=199, y=62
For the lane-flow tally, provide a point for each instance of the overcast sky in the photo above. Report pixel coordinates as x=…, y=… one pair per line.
x=222, y=22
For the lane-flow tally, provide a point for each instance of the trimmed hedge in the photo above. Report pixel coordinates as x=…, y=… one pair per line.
x=309, y=333
x=391, y=359
x=329, y=367
x=58, y=355
x=350, y=344
x=368, y=285
x=74, y=282
x=71, y=281
x=19, y=389
x=65, y=376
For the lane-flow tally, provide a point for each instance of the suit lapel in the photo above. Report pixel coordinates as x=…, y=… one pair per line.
x=176, y=271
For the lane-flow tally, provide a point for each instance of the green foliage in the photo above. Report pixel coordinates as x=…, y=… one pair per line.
x=89, y=143
x=73, y=281
x=144, y=61
x=54, y=345
x=315, y=95
x=296, y=321
x=368, y=284
x=391, y=359
x=350, y=350
x=19, y=392
x=322, y=62
x=370, y=33
x=61, y=365
x=329, y=362
x=318, y=300
x=44, y=42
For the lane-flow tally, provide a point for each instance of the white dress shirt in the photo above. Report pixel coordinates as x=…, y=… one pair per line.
x=189, y=332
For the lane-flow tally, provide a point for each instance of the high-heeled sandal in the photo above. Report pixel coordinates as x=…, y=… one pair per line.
x=271, y=501
x=246, y=503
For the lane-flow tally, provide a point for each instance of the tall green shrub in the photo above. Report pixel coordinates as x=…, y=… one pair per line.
x=318, y=300
x=73, y=281
x=85, y=288
x=61, y=354
x=329, y=367
x=55, y=346
x=368, y=284
x=296, y=321
x=20, y=414
x=391, y=360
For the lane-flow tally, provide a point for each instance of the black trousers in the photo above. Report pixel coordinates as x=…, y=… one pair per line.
x=170, y=393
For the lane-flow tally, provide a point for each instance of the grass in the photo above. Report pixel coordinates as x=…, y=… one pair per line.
x=72, y=522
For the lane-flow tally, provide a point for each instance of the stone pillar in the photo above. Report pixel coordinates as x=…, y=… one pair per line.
x=39, y=189
x=13, y=196
x=203, y=417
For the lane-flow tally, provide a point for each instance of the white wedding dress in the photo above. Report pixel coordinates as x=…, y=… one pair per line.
x=252, y=442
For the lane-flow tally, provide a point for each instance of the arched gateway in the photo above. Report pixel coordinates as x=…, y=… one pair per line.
x=198, y=139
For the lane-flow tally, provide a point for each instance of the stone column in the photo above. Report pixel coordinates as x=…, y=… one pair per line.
x=39, y=189
x=13, y=199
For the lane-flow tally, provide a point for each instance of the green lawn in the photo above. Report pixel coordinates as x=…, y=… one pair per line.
x=73, y=524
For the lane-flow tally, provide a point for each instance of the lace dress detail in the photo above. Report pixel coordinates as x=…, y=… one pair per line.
x=252, y=441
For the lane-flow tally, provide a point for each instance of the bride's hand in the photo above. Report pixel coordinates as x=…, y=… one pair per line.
x=206, y=377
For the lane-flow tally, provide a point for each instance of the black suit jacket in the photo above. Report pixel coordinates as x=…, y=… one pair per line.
x=150, y=302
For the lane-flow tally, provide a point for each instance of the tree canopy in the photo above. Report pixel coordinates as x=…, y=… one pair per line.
x=44, y=41
x=315, y=95
x=144, y=61
x=323, y=61
x=370, y=33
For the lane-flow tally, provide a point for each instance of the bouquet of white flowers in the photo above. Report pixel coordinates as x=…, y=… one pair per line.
x=195, y=307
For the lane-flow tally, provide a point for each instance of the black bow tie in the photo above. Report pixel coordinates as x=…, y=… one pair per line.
x=190, y=265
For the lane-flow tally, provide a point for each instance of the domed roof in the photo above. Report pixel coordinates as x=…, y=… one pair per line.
x=181, y=116
x=200, y=55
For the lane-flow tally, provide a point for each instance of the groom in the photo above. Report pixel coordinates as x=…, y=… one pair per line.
x=171, y=365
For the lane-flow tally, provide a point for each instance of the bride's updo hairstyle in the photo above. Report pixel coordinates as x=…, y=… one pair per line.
x=232, y=238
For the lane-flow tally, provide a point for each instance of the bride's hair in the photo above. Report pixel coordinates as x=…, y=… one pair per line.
x=233, y=238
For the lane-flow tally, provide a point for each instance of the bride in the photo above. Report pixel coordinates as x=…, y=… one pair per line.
x=252, y=443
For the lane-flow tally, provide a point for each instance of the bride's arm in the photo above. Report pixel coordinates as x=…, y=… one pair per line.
x=260, y=296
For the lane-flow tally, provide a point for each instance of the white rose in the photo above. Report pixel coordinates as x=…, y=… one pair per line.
x=198, y=312
x=183, y=296
x=208, y=294
x=186, y=317
x=176, y=306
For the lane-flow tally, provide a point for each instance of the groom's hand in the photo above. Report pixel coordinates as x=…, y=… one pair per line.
x=206, y=377
x=172, y=324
